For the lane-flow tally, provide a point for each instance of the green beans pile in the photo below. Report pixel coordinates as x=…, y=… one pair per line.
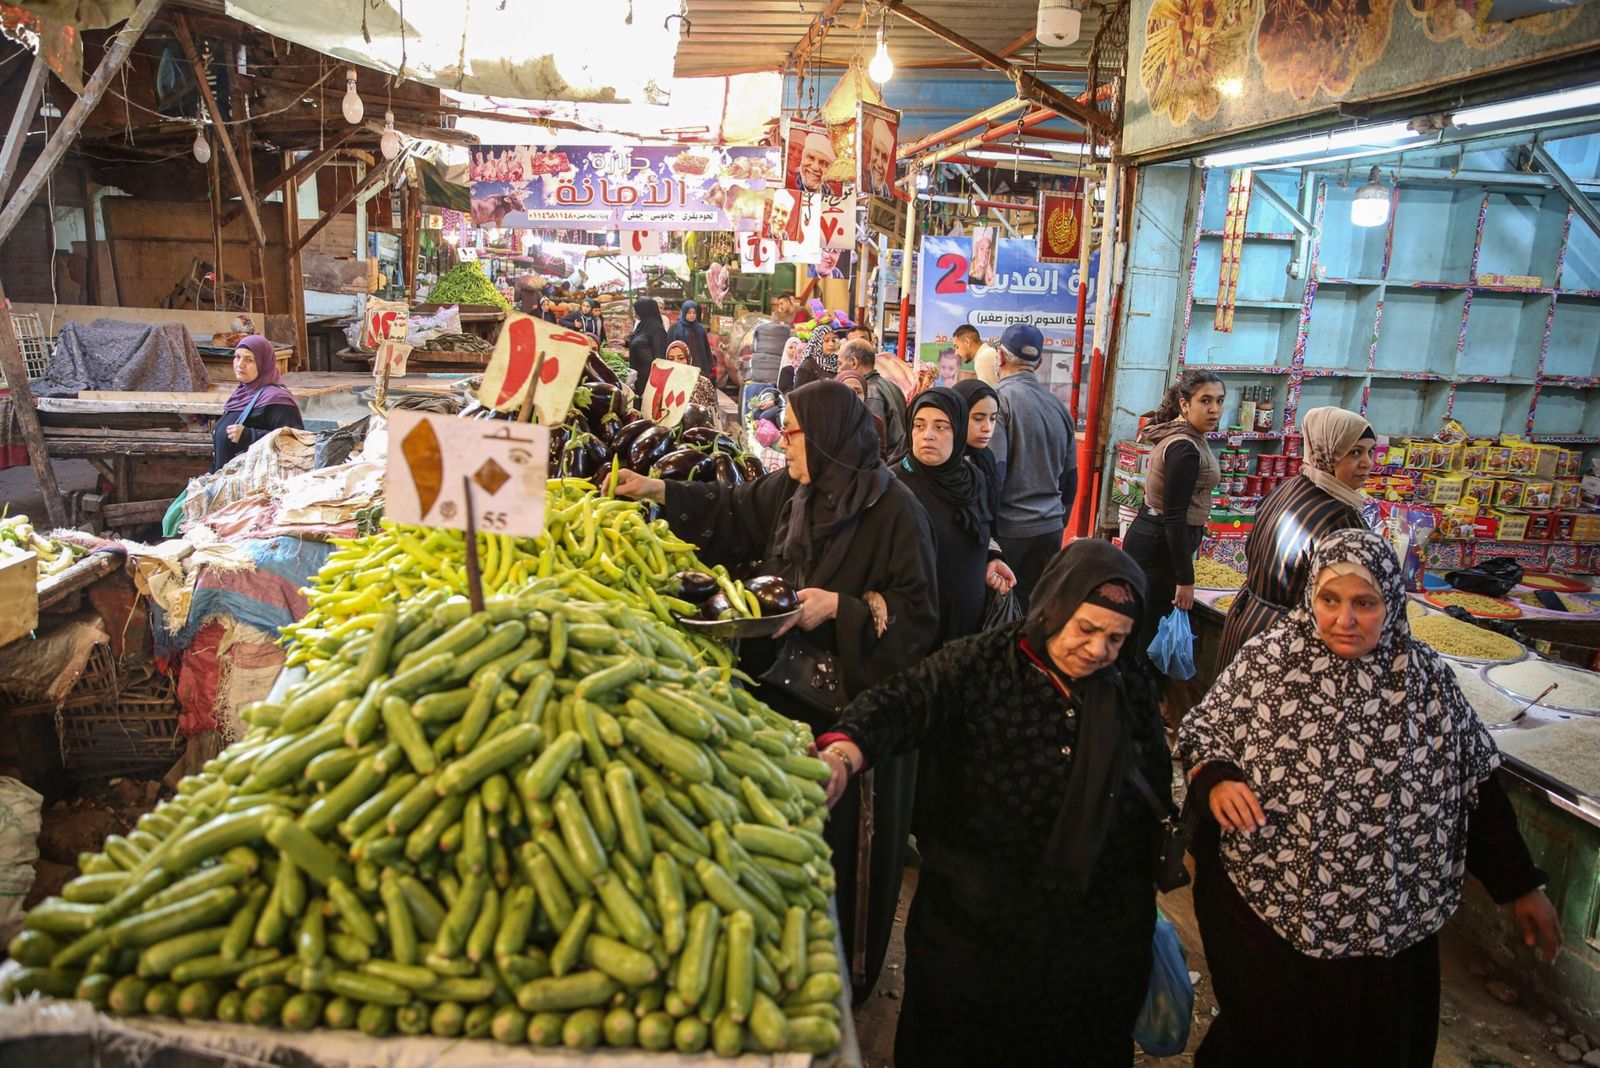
x=545, y=822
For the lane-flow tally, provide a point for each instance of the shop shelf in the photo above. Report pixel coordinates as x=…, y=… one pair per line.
x=1396, y=407
x=1263, y=217
x=1505, y=332
x=1256, y=332
x=1410, y=376
x=1342, y=327
x=1434, y=229
x=1491, y=408
x=1420, y=329
x=1240, y=435
x=1285, y=305
x=1580, y=265
x=1522, y=236
x=1263, y=272
x=1332, y=280
x=1348, y=251
x=1567, y=411
x=1574, y=338
x=1245, y=368
x=1337, y=392
x=1254, y=235
x=1331, y=372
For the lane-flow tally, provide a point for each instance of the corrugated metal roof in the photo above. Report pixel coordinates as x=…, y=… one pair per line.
x=733, y=36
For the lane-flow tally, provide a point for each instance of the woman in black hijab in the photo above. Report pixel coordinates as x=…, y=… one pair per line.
x=956, y=497
x=857, y=546
x=983, y=411
x=647, y=343
x=692, y=332
x=1029, y=939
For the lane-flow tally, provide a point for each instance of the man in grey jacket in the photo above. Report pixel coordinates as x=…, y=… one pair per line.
x=766, y=348
x=1034, y=451
x=884, y=398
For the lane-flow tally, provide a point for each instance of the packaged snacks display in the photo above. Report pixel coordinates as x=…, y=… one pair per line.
x=1513, y=525
x=1538, y=493
x=1509, y=492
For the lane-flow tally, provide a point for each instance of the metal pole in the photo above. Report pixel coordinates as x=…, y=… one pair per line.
x=1097, y=368
x=906, y=271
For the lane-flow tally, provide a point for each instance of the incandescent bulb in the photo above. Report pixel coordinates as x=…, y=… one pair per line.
x=202, y=147
x=881, y=69
x=351, y=105
x=922, y=180
x=1371, y=204
x=389, y=144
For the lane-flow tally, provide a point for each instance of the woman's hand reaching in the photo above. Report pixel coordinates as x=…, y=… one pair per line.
x=1234, y=806
x=816, y=608
x=637, y=487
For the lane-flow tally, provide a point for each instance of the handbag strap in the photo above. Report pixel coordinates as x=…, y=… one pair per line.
x=1163, y=808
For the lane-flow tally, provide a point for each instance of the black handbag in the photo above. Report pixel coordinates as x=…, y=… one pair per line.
x=809, y=675
x=1177, y=830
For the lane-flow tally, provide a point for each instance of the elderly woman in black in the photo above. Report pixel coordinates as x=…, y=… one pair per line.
x=1350, y=789
x=1029, y=939
x=857, y=546
x=956, y=496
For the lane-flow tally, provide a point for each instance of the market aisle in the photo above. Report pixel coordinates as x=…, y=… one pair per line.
x=1476, y=1030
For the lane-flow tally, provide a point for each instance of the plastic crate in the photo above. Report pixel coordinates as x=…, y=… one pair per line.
x=36, y=346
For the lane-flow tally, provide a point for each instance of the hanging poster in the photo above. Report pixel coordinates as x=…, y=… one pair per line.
x=1059, y=226
x=642, y=242
x=757, y=254
x=640, y=187
x=1023, y=291
x=985, y=252
x=808, y=153
x=877, y=133
x=523, y=341
x=832, y=263
x=837, y=221
x=783, y=215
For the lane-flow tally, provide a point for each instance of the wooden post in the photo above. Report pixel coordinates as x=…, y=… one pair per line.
x=121, y=45
x=408, y=241
x=297, y=292
x=258, y=260
x=15, y=366
x=91, y=274
x=293, y=173
x=373, y=181
x=17, y=135
x=217, y=273
x=246, y=193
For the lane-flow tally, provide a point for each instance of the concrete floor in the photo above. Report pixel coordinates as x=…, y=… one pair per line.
x=19, y=489
x=1475, y=1029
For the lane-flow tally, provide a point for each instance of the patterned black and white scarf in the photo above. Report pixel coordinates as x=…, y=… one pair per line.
x=1366, y=769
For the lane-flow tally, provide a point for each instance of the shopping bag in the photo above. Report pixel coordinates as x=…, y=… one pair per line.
x=1001, y=609
x=1172, y=652
x=1162, y=1029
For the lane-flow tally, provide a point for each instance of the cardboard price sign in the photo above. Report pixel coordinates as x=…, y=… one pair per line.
x=524, y=341
x=435, y=461
x=385, y=320
x=391, y=359
x=642, y=242
x=667, y=393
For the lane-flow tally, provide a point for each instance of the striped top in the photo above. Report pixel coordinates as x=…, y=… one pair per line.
x=1277, y=557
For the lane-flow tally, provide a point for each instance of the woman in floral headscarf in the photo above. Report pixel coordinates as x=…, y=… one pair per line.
x=1350, y=789
x=821, y=360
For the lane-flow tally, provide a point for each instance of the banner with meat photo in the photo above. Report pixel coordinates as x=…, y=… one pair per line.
x=877, y=135
x=808, y=153
x=668, y=390
x=523, y=341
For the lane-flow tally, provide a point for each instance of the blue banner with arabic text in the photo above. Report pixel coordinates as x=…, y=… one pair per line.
x=1022, y=290
x=621, y=187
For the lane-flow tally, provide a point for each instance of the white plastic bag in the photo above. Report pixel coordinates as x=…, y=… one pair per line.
x=19, y=848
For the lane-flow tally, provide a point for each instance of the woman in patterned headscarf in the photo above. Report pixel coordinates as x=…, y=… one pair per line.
x=821, y=360
x=1325, y=497
x=1350, y=788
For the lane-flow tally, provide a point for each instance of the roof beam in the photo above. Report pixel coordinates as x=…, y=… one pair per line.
x=293, y=174
x=815, y=34
x=247, y=196
x=1028, y=86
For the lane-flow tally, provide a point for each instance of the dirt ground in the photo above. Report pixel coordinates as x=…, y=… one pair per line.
x=1475, y=1029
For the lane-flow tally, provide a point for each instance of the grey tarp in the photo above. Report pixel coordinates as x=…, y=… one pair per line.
x=108, y=354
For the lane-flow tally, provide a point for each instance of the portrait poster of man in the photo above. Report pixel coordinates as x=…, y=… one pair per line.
x=877, y=136
x=808, y=152
x=985, y=256
x=782, y=220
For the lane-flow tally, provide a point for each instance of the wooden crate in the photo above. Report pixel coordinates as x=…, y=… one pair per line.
x=19, y=581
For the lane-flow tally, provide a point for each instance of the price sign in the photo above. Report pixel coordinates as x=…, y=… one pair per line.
x=391, y=359
x=436, y=460
x=385, y=320
x=642, y=242
x=527, y=344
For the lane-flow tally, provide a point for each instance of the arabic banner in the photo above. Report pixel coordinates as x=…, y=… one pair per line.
x=1023, y=291
x=638, y=187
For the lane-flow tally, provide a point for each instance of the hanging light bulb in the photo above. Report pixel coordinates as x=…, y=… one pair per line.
x=1060, y=22
x=389, y=144
x=202, y=147
x=351, y=105
x=881, y=69
x=922, y=181
x=1371, y=204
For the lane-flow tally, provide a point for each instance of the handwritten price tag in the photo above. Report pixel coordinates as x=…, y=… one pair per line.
x=435, y=460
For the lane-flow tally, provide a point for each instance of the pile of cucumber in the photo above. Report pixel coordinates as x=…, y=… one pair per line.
x=544, y=822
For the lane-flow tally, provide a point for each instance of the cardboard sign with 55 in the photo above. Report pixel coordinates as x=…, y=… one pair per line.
x=435, y=461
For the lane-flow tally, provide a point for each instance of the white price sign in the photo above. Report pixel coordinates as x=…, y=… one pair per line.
x=435, y=461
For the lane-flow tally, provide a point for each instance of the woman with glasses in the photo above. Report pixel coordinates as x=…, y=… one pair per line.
x=858, y=548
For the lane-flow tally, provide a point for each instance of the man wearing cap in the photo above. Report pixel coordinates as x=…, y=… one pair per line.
x=816, y=156
x=1033, y=449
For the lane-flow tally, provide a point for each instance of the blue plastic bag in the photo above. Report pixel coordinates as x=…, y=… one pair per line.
x=1172, y=652
x=1162, y=1029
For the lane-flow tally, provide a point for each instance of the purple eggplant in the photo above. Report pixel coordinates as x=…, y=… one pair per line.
x=576, y=421
x=603, y=398
x=705, y=470
x=728, y=472
x=751, y=467
x=677, y=465
x=596, y=368
x=649, y=447
x=726, y=444
x=701, y=437
x=696, y=587
x=718, y=607
x=608, y=426
x=586, y=456
x=776, y=595
x=559, y=436
x=623, y=439
x=698, y=415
